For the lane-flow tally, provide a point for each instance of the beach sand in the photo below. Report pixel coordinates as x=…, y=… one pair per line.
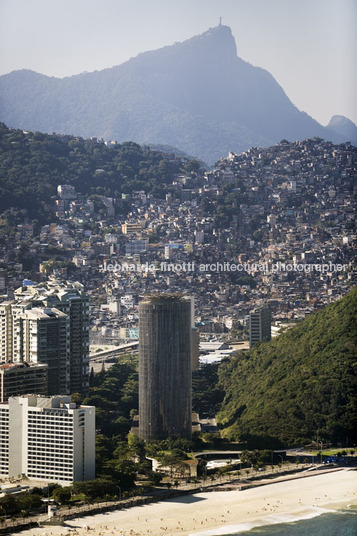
x=221, y=512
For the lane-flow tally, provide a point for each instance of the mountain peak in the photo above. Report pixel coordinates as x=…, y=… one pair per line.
x=217, y=41
x=344, y=127
x=340, y=120
x=221, y=31
x=197, y=95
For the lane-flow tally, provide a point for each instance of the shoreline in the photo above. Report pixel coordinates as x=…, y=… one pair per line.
x=221, y=512
x=282, y=519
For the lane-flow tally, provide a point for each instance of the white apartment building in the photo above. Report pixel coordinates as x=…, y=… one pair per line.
x=4, y=439
x=48, y=439
x=5, y=331
x=127, y=301
x=259, y=325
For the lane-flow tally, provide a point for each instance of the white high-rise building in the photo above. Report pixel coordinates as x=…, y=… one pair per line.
x=5, y=331
x=4, y=439
x=47, y=439
x=259, y=325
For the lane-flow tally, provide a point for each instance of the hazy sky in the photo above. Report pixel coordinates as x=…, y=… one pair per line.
x=309, y=46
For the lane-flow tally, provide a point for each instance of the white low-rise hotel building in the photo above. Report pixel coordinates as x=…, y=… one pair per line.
x=47, y=438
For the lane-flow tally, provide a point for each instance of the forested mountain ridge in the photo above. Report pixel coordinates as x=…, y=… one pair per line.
x=197, y=95
x=298, y=388
x=33, y=164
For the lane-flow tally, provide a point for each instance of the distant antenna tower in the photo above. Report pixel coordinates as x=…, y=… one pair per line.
x=220, y=21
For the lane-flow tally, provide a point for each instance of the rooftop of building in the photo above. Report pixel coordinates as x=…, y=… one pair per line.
x=38, y=313
x=7, y=366
x=163, y=297
x=43, y=402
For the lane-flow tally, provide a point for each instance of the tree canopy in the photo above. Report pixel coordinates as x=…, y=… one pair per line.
x=298, y=388
x=33, y=164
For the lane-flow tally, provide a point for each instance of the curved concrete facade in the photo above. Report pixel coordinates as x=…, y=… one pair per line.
x=165, y=374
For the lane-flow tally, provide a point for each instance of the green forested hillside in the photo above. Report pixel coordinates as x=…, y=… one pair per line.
x=299, y=387
x=33, y=164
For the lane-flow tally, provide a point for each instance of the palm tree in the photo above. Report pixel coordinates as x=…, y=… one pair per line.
x=220, y=473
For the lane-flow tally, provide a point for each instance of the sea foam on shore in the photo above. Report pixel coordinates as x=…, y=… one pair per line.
x=275, y=519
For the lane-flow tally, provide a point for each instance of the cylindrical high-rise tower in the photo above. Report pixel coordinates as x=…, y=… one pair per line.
x=165, y=377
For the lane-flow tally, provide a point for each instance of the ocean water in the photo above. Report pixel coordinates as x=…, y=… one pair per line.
x=336, y=523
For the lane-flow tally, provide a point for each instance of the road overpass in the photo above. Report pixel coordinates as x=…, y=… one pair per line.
x=108, y=357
